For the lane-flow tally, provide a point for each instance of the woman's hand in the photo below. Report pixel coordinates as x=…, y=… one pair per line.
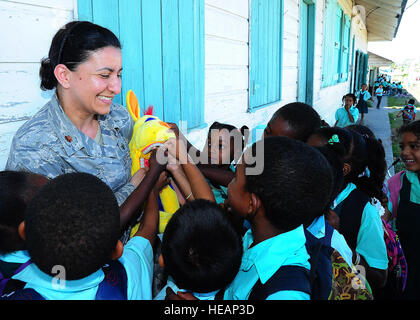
x=138, y=177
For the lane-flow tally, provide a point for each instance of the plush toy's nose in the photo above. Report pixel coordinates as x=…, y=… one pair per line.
x=164, y=124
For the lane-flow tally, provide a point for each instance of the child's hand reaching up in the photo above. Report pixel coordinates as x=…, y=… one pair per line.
x=177, y=149
x=199, y=186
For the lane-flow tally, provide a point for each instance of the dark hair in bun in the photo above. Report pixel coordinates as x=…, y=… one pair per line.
x=73, y=45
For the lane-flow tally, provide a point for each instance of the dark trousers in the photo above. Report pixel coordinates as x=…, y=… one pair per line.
x=379, y=101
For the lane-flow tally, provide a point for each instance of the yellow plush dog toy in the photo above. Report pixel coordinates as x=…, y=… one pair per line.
x=149, y=132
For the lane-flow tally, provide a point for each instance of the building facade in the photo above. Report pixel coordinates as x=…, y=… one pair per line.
x=200, y=61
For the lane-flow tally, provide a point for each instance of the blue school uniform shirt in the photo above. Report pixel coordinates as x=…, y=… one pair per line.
x=379, y=92
x=171, y=284
x=317, y=228
x=50, y=144
x=263, y=260
x=370, y=239
x=343, y=118
x=366, y=95
x=20, y=256
x=137, y=259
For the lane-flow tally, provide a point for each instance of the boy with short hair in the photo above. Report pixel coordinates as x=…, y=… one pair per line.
x=295, y=120
x=72, y=227
x=201, y=250
x=294, y=187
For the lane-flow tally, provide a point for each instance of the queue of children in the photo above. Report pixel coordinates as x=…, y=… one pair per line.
x=295, y=215
x=314, y=178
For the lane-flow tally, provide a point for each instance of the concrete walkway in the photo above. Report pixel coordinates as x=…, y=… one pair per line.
x=377, y=120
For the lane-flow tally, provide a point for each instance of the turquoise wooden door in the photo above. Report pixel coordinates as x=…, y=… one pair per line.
x=306, y=51
x=163, y=52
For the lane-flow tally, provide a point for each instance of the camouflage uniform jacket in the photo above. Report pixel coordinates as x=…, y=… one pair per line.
x=50, y=144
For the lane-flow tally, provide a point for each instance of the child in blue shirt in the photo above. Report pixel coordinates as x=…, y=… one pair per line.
x=363, y=96
x=201, y=251
x=379, y=93
x=405, y=207
x=278, y=205
x=72, y=227
x=348, y=114
x=16, y=190
x=318, y=227
x=408, y=112
x=224, y=145
x=365, y=234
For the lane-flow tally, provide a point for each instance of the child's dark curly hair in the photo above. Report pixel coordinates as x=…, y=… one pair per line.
x=74, y=222
x=412, y=127
x=361, y=153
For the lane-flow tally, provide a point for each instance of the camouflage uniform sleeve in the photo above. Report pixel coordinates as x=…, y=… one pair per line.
x=122, y=193
x=36, y=159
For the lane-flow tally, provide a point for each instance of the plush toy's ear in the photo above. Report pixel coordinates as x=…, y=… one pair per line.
x=133, y=105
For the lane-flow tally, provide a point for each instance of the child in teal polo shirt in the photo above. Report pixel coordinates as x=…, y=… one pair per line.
x=404, y=205
x=277, y=204
x=71, y=230
x=360, y=221
x=348, y=114
x=16, y=190
x=408, y=112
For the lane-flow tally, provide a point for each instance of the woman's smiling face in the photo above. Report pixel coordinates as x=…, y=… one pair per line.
x=97, y=81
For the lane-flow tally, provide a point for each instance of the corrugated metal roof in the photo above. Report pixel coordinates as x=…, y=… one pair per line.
x=378, y=61
x=382, y=17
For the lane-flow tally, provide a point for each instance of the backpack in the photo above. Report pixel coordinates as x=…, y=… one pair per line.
x=394, y=187
x=113, y=287
x=347, y=283
x=316, y=282
x=397, y=265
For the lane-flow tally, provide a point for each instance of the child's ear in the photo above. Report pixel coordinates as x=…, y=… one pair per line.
x=346, y=169
x=21, y=230
x=161, y=262
x=254, y=204
x=118, y=251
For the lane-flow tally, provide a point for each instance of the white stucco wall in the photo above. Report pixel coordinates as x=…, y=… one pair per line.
x=30, y=25
x=27, y=27
x=327, y=100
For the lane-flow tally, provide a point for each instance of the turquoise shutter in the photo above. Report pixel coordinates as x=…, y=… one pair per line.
x=337, y=45
x=345, y=49
x=266, y=42
x=163, y=52
x=328, y=52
